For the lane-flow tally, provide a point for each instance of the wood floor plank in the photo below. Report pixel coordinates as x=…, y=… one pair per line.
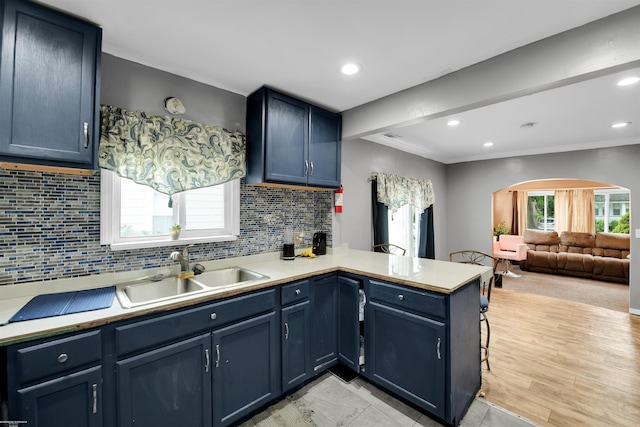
x=563, y=363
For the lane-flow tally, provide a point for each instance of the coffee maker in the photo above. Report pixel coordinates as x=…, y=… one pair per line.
x=319, y=243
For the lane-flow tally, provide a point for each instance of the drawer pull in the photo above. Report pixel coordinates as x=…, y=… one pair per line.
x=213, y=316
x=63, y=358
x=401, y=297
x=297, y=291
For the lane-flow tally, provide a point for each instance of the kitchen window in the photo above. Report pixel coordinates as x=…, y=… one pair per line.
x=137, y=216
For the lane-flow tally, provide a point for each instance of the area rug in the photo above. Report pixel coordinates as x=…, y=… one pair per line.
x=614, y=296
x=286, y=413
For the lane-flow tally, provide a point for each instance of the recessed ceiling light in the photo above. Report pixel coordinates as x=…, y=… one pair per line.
x=350, y=69
x=629, y=81
x=488, y=144
x=454, y=122
x=620, y=125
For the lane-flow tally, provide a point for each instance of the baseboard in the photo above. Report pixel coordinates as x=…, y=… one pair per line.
x=634, y=311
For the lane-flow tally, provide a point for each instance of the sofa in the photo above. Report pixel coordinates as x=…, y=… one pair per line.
x=600, y=256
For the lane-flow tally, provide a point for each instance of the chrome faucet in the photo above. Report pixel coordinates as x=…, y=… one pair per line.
x=182, y=257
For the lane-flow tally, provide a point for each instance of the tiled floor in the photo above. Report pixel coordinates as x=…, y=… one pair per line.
x=332, y=402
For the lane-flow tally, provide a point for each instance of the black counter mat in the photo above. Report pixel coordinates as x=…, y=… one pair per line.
x=50, y=305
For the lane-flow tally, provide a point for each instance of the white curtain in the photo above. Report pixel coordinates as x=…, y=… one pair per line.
x=574, y=210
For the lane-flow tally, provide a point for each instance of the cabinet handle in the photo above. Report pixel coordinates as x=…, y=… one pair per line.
x=401, y=297
x=438, y=348
x=86, y=135
x=286, y=331
x=311, y=170
x=206, y=358
x=297, y=291
x=95, y=398
x=217, y=355
x=63, y=358
x=306, y=167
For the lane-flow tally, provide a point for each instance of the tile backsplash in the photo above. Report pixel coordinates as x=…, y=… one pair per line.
x=50, y=227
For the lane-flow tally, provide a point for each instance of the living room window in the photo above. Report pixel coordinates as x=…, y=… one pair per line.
x=137, y=216
x=612, y=208
x=540, y=210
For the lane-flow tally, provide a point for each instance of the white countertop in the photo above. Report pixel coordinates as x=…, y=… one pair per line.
x=438, y=276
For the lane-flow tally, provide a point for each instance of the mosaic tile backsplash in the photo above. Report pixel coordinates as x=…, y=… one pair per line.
x=50, y=227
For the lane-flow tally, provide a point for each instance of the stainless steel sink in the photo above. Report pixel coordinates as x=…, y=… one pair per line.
x=230, y=276
x=150, y=292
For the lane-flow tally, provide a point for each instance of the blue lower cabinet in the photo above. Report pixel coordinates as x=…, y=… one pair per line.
x=348, y=323
x=324, y=322
x=296, y=363
x=168, y=386
x=245, y=367
x=412, y=368
x=70, y=400
x=216, y=364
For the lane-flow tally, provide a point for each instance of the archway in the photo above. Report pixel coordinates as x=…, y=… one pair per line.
x=609, y=205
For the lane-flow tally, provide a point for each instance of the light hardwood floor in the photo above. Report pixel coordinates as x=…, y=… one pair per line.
x=561, y=363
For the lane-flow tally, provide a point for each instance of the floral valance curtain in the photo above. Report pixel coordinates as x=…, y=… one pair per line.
x=169, y=154
x=396, y=191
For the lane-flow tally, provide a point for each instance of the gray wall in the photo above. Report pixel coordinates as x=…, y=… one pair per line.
x=359, y=159
x=470, y=187
x=133, y=86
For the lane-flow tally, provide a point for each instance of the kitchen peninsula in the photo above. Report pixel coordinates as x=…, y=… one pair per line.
x=417, y=336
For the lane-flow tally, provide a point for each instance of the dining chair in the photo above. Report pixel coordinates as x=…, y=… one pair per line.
x=480, y=258
x=389, y=248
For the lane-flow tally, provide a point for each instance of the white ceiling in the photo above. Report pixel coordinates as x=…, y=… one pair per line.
x=297, y=46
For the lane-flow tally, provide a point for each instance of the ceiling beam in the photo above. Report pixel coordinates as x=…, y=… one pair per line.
x=602, y=47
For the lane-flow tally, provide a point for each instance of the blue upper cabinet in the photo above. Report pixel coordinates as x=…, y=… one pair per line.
x=291, y=142
x=49, y=68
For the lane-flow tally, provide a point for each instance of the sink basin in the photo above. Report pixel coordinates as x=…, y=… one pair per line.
x=150, y=292
x=230, y=276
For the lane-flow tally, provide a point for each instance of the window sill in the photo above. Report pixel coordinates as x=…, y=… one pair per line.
x=143, y=244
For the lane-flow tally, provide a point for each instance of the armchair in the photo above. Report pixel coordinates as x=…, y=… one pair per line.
x=510, y=248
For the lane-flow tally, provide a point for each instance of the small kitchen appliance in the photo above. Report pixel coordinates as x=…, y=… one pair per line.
x=320, y=243
x=288, y=247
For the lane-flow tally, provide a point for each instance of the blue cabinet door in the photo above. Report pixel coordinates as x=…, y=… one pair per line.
x=325, y=148
x=169, y=386
x=287, y=140
x=246, y=357
x=71, y=400
x=406, y=354
x=348, y=323
x=296, y=362
x=48, y=87
x=324, y=322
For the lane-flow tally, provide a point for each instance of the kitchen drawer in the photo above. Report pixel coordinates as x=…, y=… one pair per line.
x=412, y=299
x=167, y=328
x=294, y=292
x=58, y=356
